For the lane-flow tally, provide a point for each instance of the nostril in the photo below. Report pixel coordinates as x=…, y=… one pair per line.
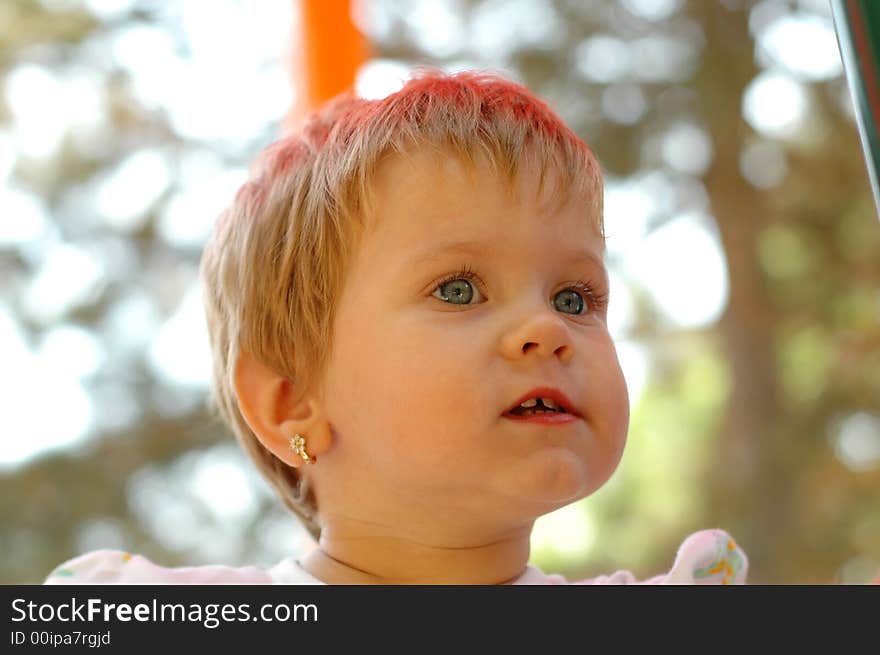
x=531, y=345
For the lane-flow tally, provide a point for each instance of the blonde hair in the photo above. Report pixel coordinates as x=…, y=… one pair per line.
x=278, y=255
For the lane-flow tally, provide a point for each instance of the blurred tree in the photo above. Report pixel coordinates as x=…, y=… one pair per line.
x=774, y=461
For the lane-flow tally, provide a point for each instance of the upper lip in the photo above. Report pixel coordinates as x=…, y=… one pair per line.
x=547, y=392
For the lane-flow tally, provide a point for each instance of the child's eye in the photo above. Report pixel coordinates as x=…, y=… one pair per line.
x=577, y=298
x=587, y=299
x=458, y=288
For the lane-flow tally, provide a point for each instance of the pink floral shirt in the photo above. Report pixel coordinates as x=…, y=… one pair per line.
x=705, y=557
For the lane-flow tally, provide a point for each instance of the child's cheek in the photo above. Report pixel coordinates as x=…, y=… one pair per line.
x=435, y=402
x=617, y=409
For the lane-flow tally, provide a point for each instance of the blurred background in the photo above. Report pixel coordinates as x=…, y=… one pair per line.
x=743, y=245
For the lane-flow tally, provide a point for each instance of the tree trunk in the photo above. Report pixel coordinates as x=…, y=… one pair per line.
x=748, y=479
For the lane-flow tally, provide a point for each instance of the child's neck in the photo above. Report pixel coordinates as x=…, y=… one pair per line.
x=387, y=560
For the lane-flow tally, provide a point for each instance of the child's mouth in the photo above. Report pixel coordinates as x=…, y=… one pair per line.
x=546, y=417
x=530, y=411
x=545, y=405
x=540, y=414
x=537, y=407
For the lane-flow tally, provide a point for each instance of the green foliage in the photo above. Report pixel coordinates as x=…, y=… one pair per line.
x=805, y=359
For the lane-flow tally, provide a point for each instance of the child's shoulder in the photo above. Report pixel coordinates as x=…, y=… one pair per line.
x=120, y=567
x=706, y=557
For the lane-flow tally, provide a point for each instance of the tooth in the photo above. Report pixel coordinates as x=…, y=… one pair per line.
x=549, y=403
x=531, y=402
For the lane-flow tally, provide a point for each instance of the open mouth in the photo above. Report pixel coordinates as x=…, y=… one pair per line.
x=535, y=406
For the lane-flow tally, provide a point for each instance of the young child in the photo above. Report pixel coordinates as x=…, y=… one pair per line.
x=407, y=308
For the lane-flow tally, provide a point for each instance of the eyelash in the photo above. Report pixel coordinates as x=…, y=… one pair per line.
x=597, y=300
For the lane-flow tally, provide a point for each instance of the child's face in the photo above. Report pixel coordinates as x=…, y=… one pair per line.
x=417, y=386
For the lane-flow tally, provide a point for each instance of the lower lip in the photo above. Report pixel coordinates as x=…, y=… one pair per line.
x=543, y=419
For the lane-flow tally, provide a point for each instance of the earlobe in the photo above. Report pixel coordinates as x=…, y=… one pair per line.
x=305, y=440
x=298, y=445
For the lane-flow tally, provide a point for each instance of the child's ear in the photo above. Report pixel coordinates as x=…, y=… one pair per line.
x=267, y=401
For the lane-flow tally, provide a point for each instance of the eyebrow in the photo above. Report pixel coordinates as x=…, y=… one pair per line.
x=442, y=248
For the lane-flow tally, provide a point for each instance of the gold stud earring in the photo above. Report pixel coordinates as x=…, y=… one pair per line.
x=298, y=445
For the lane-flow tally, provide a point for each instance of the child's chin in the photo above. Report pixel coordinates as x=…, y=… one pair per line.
x=559, y=477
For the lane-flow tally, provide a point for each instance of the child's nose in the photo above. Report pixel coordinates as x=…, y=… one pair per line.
x=541, y=333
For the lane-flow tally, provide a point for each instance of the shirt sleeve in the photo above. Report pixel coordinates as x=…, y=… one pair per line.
x=97, y=567
x=120, y=567
x=706, y=557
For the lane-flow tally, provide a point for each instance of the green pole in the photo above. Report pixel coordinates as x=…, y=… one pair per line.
x=857, y=23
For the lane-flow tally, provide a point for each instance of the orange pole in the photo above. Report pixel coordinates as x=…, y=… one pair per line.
x=326, y=50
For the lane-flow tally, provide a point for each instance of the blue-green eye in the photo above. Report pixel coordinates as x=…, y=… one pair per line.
x=457, y=289
x=582, y=297
x=568, y=299
x=577, y=298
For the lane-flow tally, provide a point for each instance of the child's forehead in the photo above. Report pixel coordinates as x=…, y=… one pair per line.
x=441, y=166
x=425, y=182
x=428, y=209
